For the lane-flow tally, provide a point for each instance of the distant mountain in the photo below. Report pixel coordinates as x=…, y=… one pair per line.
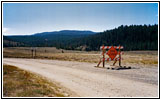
x=133, y=37
x=47, y=38
x=65, y=32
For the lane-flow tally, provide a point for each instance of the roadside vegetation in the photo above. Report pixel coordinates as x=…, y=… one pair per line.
x=21, y=83
x=145, y=58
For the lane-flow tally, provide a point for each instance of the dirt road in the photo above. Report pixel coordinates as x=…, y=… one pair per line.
x=88, y=81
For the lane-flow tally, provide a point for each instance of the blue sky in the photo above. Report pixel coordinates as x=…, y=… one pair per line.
x=30, y=18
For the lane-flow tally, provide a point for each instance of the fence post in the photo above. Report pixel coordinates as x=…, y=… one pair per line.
x=35, y=53
x=32, y=52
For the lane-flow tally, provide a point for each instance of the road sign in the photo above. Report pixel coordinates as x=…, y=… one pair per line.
x=112, y=53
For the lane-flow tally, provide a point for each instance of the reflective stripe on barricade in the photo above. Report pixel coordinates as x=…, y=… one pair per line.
x=109, y=59
x=108, y=47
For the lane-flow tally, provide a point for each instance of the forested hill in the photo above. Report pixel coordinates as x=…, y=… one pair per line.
x=45, y=39
x=133, y=37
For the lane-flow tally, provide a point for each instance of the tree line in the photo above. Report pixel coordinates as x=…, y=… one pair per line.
x=133, y=37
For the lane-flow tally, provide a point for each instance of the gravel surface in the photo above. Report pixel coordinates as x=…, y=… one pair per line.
x=88, y=81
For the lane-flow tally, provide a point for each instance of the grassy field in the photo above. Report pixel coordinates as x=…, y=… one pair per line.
x=20, y=83
x=145, y=58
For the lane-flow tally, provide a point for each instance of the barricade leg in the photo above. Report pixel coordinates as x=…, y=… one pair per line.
x=114, y=63
x=99, y=63
x=119, y=56
x=103, y=63
x=119, y=60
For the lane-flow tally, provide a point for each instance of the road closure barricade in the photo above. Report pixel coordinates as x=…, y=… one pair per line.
x=114, y=54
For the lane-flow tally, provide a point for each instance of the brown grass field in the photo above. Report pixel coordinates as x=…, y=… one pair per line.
x=21, y=83
x=144, y=58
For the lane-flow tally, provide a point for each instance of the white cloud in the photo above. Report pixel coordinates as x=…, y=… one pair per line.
x=5, y=30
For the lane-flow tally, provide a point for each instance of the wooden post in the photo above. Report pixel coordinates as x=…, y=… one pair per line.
x=35, y=53
x=99, y=63
x=114, y=62
x=104, y=51
x=103, y=61
x=119, y=56
x=120, y=60
x=32, y=52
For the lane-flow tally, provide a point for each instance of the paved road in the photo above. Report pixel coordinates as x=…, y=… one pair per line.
x=87, y=81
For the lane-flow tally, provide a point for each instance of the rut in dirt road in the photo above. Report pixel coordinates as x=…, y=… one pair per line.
x=88, y=81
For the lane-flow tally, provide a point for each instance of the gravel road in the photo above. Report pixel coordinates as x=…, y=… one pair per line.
x=88, y=81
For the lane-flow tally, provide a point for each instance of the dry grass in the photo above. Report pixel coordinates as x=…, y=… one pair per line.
x=20, y=83
x=132, y=57
x=141, y=57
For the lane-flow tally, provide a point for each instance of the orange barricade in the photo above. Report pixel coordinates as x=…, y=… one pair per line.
x=112, y=53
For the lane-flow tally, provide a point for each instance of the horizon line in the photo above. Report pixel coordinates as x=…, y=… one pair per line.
x=77, y=30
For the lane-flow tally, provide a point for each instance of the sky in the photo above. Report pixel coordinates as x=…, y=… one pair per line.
x=30, y=18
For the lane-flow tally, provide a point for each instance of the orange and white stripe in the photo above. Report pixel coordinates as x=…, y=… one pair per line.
x=109, y=59
x=108, y=47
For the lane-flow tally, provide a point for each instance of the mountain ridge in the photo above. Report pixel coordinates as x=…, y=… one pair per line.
x=132, y=37
x=43, y=37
